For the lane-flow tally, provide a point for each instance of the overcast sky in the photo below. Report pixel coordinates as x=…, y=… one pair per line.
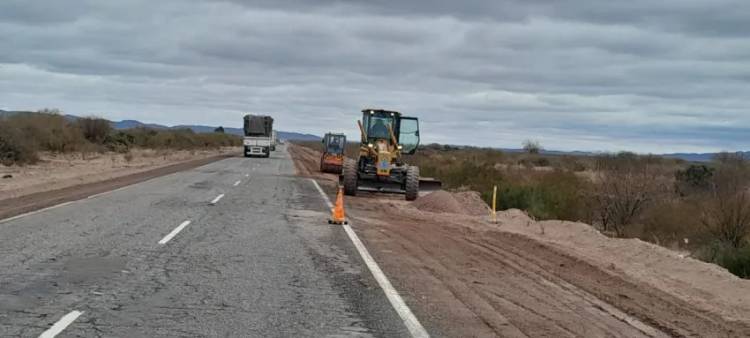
x=641, y=75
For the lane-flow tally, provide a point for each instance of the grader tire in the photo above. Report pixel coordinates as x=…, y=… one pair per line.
x=412, y=183
x=350, y=178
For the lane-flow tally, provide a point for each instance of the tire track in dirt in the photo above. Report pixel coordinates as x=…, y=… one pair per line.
x=498, y=287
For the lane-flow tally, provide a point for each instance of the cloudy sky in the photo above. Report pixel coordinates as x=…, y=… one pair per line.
x=642, y=75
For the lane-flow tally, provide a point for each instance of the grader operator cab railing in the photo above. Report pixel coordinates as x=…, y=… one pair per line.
x=386, y=137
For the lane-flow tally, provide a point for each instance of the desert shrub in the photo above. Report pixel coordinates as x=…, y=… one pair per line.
x=735, y=260
x=726, y=211
x=23, y=135
x=14, y=147
x=669, y=222
x=541, y=161
x=624, y=186
x=532, y=147
x=94, y=129
x=552, y=195
x=179, y=139
x=693, y=179
x=572, y=163
x=50, y=132
x=119, y=142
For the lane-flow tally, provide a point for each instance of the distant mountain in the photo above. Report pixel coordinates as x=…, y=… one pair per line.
x=284, y=135
x=702, y=157
x=129, y=124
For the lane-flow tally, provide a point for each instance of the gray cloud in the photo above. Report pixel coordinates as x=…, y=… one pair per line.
x=638, y=75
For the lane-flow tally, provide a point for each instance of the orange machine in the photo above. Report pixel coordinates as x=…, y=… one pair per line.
x=332, y=160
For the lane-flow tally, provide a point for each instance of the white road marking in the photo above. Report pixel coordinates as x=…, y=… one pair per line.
x=237, y=183
x=174, y=232
x=109, y=192
x=216, y=200
x=35, y=212
x=247, y=175
x=61, y=324
x=410, y=320
x=322, y=193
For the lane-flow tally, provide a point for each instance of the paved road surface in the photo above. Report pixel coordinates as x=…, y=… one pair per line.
x=259, y=262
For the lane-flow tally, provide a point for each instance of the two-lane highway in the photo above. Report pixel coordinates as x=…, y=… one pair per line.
x=239, y=247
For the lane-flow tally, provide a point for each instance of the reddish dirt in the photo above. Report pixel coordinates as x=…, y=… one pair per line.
x=26, y=203
x=466, y=277
x=467, y=203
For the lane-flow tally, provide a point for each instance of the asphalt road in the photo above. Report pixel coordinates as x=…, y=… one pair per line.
x=159, y=259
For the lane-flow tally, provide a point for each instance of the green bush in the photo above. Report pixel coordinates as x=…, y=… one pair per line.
x=735, y=260
x=553, y=195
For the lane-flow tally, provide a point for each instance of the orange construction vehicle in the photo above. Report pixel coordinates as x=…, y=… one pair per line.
x=332, y=160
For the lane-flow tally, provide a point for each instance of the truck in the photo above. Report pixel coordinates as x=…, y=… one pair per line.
x=258, y=135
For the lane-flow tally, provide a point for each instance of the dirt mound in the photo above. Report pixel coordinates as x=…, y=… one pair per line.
x=472, y=203
x=441, y=201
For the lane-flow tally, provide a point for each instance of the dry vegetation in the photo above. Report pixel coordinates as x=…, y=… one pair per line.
x=23, y=136
x=700, y=208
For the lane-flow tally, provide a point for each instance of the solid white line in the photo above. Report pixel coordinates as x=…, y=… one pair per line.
x=36, y=211
x=328, y=202
x=216, y=200
x=111, y=191
x=174, y=232
x=61, y=324
x=410, y=320
x=237, y=183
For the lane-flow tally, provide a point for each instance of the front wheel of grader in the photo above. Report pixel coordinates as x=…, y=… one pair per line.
x=412, y=183
x=350, y=178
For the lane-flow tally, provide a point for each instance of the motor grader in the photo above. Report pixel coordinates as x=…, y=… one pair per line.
x=332, y=160
x=386, y=137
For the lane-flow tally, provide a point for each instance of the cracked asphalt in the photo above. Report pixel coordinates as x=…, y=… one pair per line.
x=261, y=262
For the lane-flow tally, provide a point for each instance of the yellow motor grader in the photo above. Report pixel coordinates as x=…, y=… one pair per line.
x=386, y=136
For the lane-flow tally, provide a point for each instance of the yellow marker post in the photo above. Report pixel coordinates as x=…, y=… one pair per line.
x=494, y=205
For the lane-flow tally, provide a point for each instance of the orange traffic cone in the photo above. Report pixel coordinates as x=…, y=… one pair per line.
x=337, y=213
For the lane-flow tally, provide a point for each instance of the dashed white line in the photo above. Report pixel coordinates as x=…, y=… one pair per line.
x=61, y=324
x=410, y=320
x=216, y=200
x=247, y=175
x=174, y=232
x=237, y=183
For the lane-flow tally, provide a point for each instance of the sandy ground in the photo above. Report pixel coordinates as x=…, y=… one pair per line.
x=467, y=277
x=61, y=171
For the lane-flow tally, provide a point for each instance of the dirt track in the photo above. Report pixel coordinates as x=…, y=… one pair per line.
x=463, y=277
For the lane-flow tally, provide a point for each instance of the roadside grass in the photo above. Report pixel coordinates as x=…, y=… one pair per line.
x=703, y=208
x=24, y=135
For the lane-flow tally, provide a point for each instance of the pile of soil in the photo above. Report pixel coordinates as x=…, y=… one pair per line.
x=441, y=201
x=472, y=202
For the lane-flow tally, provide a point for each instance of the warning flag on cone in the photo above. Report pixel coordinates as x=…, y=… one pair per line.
x=337, y=213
